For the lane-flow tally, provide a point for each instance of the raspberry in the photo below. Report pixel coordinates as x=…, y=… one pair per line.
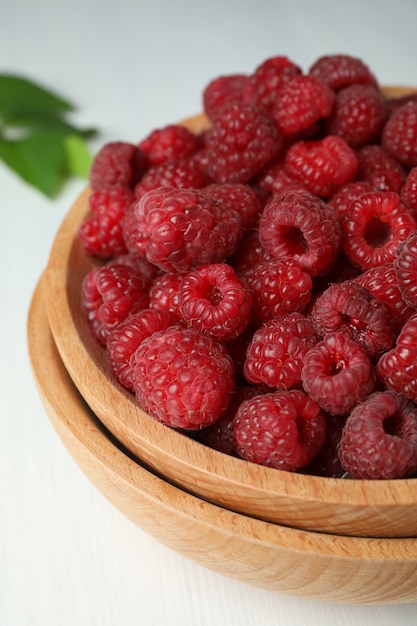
x=277, y=180
x=243, y=141
x=185, y=228
x=383, y=284
x=409, y=191
x=182, y=378
x=397, y=368
x=117, y=163
x=350, y=309
x=139, y=264
x=300, y=226
x=170, y=143
x=163, y=294
x=284, y=429
x=279, y=287
x=182, y=174
x=399, y=136
x=220, y=435
x=241, y=198
x=405, y=265
x=341, y=70
x=213, y=301
x=321, y=166
x=101, y=234
x=358, y=115
x=392, y=104
x=379, y=439
x=109, y=294
x=135, y=233
x=341, y=200
x=373, y=227
x=378, y=168
x=276, y=353
x=127, y=337
x=337, y=373
x=264, y=84
x=222, y=91
x=300, y=103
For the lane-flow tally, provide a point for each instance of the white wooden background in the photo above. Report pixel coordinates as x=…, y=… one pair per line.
x=67, y=558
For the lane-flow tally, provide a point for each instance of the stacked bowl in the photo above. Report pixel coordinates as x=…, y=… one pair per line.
x=325, y=538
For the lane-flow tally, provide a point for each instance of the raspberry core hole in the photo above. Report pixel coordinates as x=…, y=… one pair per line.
x=213, y=294
x=377, y=232
x=295, y=240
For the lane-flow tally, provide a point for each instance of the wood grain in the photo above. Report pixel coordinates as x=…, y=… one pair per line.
x=296, y=562
x=363, y=508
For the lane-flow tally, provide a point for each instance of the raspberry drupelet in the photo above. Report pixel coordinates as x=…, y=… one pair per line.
x=408, y=191
x=184, y=174
x=215, y=302
x=170, y=143
x=108, y=295
x=264, y=84
x=239, y=197
x=182, y=378
x=284, y=429
x=222, y=91
x=117, y=163
x=275, y=355
x=300, y=226
x=373, y=227
x=379, y=439
x=399, y=136
x=337, y=373
x=405, y=265
x=341, y=70
x=397, y=368
x=379, y=169
x=163, y=294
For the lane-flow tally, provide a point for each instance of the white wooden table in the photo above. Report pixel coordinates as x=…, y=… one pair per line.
x=67, y=557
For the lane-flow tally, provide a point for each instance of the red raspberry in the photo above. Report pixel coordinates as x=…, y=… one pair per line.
x=321, y=166
x=342, y=70
x=213, y=301
x=117, y=163
x=182, y=174
x=185, y=228
x=392, y=104
x=276, y=353
x=243, y=141
x=327, y=463
x=170, y=143
x=378, y=168
x=409, y=191
x=350, y=309
x=397, y=368
x=101, y=234
x=277, y=180
x=139, y=264
x=300, y=226
x=264, y=84
x=300, y=103
x=343, y=197
x=379, y=440
x=405, y=265
x=220, y=435
x=109, y=294
x=399, y=136
x=182, y=378
x=358, y=115
x=249, y=254
x=337, y=373
x=284, y=429
x=241, y=198
x=163, y=294
x=373, y=227
x=127, y=337
x=279, y=287
x=382, y=283
x=222, y=91
x=135, y=233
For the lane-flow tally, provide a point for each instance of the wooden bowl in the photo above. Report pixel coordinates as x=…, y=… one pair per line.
x=270, y=556
x=347, y=507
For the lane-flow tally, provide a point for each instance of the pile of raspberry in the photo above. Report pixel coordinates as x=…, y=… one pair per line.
x=256, y=283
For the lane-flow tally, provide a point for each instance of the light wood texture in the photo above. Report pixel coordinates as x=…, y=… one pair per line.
x=296, y=562
x=363, y=508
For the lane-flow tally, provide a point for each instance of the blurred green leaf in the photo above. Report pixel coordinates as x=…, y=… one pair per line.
x=27, y=121
x=78, y=156
x=21, y=94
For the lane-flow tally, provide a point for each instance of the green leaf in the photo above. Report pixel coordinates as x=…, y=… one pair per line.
x=39, y=160
x=21, y=94
x=29, y=121
x=78, y=157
